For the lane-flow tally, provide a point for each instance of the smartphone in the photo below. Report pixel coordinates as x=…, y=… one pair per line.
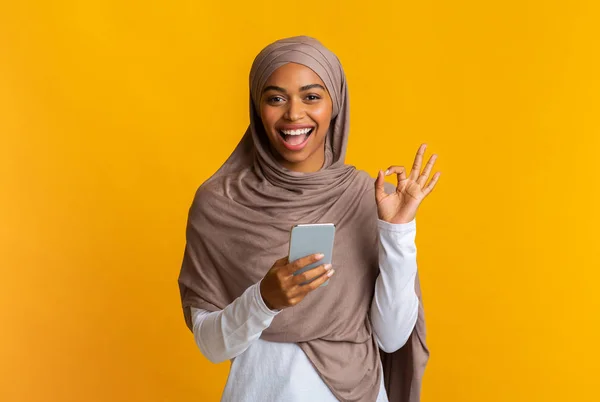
x=312, y=238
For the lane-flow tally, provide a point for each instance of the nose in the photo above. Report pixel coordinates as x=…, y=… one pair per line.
x=295, y=110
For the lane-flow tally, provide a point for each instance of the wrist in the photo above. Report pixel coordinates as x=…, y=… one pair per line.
x=401, y=219
x=264, y=300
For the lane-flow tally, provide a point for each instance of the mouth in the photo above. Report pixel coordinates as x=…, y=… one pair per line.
x=296, y=139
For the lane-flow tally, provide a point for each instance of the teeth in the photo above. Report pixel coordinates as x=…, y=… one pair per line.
x=297, y=132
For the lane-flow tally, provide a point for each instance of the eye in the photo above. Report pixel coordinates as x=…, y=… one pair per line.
x=275, y=99
x=313, y=97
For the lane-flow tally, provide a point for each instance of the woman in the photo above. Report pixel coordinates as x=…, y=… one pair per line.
x=293, y=342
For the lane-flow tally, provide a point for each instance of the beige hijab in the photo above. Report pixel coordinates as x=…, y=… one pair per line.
x=239, y=224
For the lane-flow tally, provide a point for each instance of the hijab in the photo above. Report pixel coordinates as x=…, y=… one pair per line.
x=239, y=224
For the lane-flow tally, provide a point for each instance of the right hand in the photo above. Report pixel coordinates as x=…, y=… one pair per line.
x=280, y=288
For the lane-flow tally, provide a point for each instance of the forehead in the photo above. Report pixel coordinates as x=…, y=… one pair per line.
x=293, y=75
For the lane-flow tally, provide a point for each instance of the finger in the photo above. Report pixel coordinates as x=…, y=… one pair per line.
x=400, y=173
x=309, y=287
x=380, y=193
x=282, y=262
x=295, y=300
x=311, y=274
x=416, y=169
x=423, y=177
x=302, y=262
x=431, y=184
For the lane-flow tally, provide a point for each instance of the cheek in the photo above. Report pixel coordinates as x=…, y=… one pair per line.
x=322, y=115
x=268, y=117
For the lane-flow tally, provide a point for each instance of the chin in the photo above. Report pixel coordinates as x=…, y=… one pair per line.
x=293, y=157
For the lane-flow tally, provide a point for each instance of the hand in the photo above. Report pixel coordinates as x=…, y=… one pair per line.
x=401, y=206
x=280, y=288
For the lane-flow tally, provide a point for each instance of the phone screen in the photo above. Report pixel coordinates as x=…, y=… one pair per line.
x=309, y=239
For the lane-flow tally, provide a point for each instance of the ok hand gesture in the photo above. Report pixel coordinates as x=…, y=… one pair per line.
x=401, y=206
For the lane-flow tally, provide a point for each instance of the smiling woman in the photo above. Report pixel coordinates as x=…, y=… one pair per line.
x=295, y=110
x=362, y=338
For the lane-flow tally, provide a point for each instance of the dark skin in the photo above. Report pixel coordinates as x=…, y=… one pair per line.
x=284, y=102
x=296, y=95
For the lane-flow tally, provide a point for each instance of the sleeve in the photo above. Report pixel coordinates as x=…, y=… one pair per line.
x=394, y=309
x=224, y=334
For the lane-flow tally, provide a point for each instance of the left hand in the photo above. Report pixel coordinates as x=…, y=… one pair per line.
x=401, y=206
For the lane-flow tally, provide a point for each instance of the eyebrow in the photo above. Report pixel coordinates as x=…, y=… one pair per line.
x=303, y=88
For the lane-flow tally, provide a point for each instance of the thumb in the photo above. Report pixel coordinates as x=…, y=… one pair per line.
x=380, y=193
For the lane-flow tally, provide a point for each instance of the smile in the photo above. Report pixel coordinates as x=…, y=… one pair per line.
x=295, y=140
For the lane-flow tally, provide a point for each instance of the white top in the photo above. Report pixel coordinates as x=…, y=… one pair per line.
x=275, y=371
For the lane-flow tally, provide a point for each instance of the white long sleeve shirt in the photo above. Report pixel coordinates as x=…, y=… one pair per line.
x=275, y=371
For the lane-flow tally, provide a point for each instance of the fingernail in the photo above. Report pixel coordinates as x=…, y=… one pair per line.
x=320, y=255
x=330, y=272
x=387, y=172
x=327, y=266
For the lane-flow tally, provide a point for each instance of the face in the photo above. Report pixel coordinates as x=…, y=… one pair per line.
x=296, y=109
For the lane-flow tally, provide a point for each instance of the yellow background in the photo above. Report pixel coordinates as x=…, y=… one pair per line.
x=112, y=113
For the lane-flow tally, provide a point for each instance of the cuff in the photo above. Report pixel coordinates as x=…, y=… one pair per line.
x=261, y=303
x=397, y=227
